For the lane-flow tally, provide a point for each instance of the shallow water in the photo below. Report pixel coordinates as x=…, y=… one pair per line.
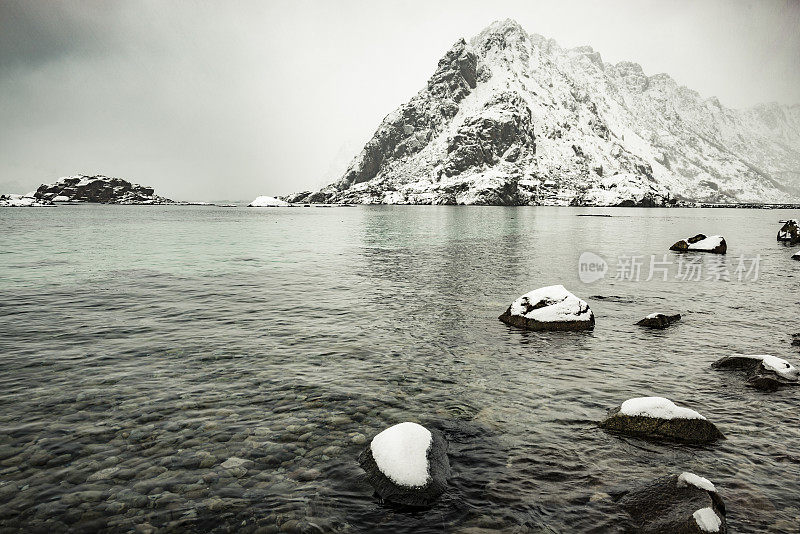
x=142, y=347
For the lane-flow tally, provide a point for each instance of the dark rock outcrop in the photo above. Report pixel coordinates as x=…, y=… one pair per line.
x=549, y=308
x=100, y=189
x=498, y=133
x=790, y=232
x=675, y=505
x=414, y=496
x=686, y=427
x=298, y=198
x=659, y=320
x=409, y=129
x=700, y=243
x=766, y=373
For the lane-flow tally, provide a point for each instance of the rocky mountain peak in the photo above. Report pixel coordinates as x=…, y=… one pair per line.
x=512, y=118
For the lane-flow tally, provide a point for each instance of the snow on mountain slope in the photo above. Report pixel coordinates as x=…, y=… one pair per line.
x=512, y=118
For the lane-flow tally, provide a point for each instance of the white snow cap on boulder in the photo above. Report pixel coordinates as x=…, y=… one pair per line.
x=267, y=202
x=400, y=452
x=657, y=407
x=690, y=479
x=707, y=519
x=702, y=243
x=708, y=243
x=549, y=308
x=778, y=365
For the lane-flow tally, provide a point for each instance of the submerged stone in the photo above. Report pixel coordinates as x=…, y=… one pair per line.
x=676, y=504
x=659, y=320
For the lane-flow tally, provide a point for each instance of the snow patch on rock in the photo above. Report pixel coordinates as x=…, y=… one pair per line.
x=778, y=365
x=400, y=452
x=707, y=520
x=657, y=407
x=709, y=243
x=551, y=303
x=690, y=479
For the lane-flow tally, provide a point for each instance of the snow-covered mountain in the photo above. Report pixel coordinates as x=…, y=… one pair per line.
x=512, y=118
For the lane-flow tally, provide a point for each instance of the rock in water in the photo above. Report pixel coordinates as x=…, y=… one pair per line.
x=676, y=504
x=762, y=371
x=660, y=418
x=549, y=308
x=701, y=243
x=796, y=255
x=659, y=320
x=407, y=464
x=790, y=232
x=99, y=188
x=267, y=202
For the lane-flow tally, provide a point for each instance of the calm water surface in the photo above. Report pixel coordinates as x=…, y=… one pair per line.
x=142, y=348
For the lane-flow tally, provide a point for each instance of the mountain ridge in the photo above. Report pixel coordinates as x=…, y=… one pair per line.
x=512, y=118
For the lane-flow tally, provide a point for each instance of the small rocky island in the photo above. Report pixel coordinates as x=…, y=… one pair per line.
x=98, y=188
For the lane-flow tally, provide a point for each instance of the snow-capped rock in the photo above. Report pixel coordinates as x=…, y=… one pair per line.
x=790, y=232
x=684, y=503
x=700, y=243
x=659, y=320
x=512, y=118
x=549, y=308
x=660, y=418
x=98, y=188
x=690, y=479
x=762, y=371
x=407, y=464
x=23, y=201
x=267, y=202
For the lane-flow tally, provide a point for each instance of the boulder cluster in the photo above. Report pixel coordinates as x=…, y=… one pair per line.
x=676, y=503
x=99, y=188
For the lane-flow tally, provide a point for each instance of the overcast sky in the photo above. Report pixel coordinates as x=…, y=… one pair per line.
x=232, y=99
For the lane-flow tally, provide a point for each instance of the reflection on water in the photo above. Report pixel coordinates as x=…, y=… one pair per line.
x=143, y=348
